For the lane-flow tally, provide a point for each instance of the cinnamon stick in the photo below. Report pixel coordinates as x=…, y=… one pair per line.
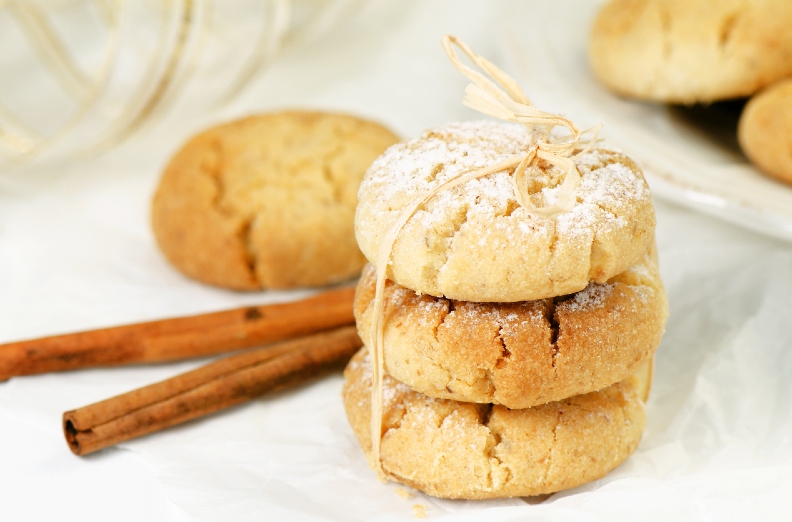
x=217, y=385
x=178, y=338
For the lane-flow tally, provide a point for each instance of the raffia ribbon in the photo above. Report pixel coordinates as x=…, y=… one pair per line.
x=506, y=101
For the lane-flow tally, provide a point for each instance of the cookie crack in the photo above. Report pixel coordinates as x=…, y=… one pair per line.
x=625, y=420
x=549, y=458
x=491, y=450
x=555, y=327
x=459, y=220
x=215, y=173
x=666, y=27
x=451, y=378
x=608, y=211
x=551, y=248
x=727, y=30
x=244, y=232
x=486, y=414
x=394, y=423
x=327, y=171
x=445, y=417
x=511, y=207
x=450, y=238
x=246, y=237
x=505, y=354
x=449, y=309
x=436, y=170
x=501, y=362
x=595, y=241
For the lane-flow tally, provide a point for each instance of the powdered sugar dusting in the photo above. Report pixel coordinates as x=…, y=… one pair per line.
x=393, y=391
x=644, y=293
x=410, y=169
x=593, y=296
x=643, y=270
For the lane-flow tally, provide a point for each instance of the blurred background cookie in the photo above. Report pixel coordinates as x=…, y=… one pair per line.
x=765, y=130
x=689, y=51
x=268, y=201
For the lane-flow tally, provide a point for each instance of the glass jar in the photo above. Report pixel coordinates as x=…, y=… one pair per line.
x=79, y=76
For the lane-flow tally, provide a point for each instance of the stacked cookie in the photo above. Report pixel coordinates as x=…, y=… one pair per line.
x=517, y=348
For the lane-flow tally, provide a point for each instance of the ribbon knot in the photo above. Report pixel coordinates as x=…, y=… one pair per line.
x=504, y=99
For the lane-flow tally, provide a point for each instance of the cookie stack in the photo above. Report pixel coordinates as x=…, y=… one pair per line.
x=517, y=348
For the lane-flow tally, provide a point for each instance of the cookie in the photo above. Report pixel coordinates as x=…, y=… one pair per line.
x=463, y=450
x=519, y=354
x=765, y=130
x=474, y=242
x=689, y=51
x=267, y=201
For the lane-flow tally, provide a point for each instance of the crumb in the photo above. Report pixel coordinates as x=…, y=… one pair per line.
x=403, y=493
x=419, y=511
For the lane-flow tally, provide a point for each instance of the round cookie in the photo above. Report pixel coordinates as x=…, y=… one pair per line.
x=267, y=201
x=474, y=242
x=689, y=51
x=463, y=450
x=519, y=354
x=765, y=130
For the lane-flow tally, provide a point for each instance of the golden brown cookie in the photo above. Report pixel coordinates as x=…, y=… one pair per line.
x=267, y=201
x=519, y=354
x=688, y=51
x=765, y=130
x=474, y=242
x=463, y=450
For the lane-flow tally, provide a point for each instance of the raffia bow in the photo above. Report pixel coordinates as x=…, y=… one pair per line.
x=509, y=103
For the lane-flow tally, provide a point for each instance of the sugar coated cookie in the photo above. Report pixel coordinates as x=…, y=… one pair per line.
x=688, y=51
x=267, y=201
x=519, y=354
x=474, y=242
x=765, y=130
x=463, y=450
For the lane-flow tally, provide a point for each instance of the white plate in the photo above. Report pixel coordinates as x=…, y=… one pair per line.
x=546, y=50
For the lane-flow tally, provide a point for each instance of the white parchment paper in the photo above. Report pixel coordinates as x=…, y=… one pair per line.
x=76, y=253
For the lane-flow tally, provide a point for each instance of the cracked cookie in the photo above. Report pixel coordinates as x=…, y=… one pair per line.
x=463, y=450
x=765, y=130
x=519, y=354
x=267, y=201
x=691, y=51
x=474, y=242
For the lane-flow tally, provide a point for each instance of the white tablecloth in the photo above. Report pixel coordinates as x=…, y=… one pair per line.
x=76, y=253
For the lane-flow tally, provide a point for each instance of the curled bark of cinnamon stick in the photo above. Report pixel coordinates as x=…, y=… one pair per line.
x=218, y=385
x=178, y=338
